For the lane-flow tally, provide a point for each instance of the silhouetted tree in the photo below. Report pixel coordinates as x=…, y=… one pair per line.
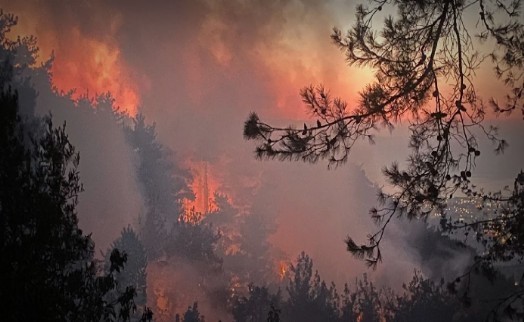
x=191, y=315
x=257, y=306
x=243, y=244
x=425, y=58
x=225, y=220
x=425, y=300
x=256, y=252
x=134, y=272
x=441, y=255
x=273, y=315
x=310, y=299
x=163, y=230
x=348, y=305
x=16, y=56
x=47, y=270
x=196, y=243
x=368, y=303
x=164, y=186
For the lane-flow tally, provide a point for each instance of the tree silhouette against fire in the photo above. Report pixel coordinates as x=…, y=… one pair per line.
x=425, y=58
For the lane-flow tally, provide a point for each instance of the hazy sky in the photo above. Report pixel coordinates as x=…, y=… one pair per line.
x=197, y=68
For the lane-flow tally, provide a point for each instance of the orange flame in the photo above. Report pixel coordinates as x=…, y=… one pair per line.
x=97, y=68
x=283, y=268
x=204, y=187
x=157, y=280
x=82, y=65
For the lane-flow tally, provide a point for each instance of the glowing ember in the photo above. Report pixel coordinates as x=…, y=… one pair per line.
x=283, y=268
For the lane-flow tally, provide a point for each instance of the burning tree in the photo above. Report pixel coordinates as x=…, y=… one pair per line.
x=164, y=186
x=425, y=60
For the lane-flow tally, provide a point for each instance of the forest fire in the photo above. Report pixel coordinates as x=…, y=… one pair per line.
x=283, y=268
x=204, y=186
x=208, y=223
x=94, y=68
x=162, y=281
x=156, y=290
x=83, y=65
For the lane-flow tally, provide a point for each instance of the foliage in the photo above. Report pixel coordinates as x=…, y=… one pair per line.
x=425, y=300
x=425, y=58
x=191, y=315
x=254, y=261
x=196, y=243
x=309, y=299
x=257, y=306
x=273, y=315
x=164, y=185
x=225, y=220
x=17, y=55
x=133, y=274
x=47, y=270
x=243, y=244
x=163, y=230
x=367, y=301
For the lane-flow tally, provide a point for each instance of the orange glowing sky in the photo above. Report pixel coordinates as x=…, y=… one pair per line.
x=88, y=57
x=200, y=65
x=82, y=64
x=92, y=63
x=197, y=68
x=197, y=65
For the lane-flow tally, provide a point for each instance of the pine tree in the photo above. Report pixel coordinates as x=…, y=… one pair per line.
x=164, y=186
x=134, y=272
x=47, y=269
x=425, y=58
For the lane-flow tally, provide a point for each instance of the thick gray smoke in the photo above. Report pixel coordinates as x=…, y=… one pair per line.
x=111, y=199
x=200, y=67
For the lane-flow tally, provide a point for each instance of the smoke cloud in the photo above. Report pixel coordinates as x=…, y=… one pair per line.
x=196, y=69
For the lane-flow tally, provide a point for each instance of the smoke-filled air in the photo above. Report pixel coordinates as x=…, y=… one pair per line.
x=295, y=161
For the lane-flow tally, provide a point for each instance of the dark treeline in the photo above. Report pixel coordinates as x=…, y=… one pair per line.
x=223, y=265
x=309, y=298
x=48, y=271
x=49, y=268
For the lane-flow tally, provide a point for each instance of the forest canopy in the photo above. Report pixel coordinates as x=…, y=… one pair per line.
x=425, y=58
x=159, y=249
